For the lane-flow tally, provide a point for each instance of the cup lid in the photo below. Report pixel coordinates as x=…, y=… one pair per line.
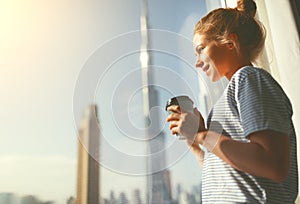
x=177, y=100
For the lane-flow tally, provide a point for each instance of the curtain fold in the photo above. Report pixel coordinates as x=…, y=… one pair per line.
x=295, y=7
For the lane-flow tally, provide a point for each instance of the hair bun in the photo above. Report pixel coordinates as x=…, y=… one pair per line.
x=247, y=7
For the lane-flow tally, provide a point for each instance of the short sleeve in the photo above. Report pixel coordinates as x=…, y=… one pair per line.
x=261, y=102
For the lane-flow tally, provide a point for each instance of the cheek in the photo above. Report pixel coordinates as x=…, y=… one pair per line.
x=218, y=54
x=209, y=55
x=204, y=57
x=214, y=55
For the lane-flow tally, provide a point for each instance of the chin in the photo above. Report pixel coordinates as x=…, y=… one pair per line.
x=215, y=78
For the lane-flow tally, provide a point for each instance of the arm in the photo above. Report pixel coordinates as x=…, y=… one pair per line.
x=197, y=151
x=266, y=155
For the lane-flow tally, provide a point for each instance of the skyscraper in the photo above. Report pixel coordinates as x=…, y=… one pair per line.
x=88, y=191
x=29, y=199
x=158, y=189
x=71, y=200
x=8, y=198
x=159, y=182
x=136, y=199
x=122, y=199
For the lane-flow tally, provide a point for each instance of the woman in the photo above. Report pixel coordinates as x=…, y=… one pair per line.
x=249, y=137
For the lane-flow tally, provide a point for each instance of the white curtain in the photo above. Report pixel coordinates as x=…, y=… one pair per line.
x=281, y=56
x=283, y=51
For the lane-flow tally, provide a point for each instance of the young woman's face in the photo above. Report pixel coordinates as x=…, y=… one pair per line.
x=213, y=59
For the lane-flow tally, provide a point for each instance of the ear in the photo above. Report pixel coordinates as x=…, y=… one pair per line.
x=230, y=45
x=232, y=41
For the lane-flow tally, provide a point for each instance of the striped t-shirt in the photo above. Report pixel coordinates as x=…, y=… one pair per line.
x=252, y=101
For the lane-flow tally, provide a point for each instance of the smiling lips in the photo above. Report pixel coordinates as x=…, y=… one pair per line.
x=205, y=68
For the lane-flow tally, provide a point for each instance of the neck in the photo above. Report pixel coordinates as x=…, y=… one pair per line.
x=235, y=67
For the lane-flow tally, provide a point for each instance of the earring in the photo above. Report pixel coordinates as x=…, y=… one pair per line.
x=230, y=46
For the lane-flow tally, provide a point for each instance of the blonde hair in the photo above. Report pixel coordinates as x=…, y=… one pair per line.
x=220, y=24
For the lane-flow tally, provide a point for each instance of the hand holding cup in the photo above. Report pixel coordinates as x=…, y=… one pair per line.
x=185, y=120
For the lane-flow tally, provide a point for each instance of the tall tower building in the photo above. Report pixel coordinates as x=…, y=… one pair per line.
x=158, y=189
x=88, y=190
x=159, y=182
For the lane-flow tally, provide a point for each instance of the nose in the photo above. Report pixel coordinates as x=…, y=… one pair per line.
x=199, y=63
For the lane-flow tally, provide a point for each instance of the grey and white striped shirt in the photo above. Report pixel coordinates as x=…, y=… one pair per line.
x=252, y=101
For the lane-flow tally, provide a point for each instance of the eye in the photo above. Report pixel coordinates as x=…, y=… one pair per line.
x=199, y=49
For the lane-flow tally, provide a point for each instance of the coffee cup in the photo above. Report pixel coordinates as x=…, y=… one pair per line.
x=185, y=104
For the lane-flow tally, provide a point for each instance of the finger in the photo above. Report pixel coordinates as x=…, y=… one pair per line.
x=174, y=108
x=173, y=116
x=173, y=124
x=175, y=130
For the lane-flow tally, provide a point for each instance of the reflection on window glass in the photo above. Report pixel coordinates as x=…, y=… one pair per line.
x=151, y=165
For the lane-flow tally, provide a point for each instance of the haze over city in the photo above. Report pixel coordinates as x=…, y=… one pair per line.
x=45, y=46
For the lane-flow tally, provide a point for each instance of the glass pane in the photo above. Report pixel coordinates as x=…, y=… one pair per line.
x=71, y=55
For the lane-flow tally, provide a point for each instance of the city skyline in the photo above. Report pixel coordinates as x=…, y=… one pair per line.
x=43, y=55
x=45, y=46
x=182, y=196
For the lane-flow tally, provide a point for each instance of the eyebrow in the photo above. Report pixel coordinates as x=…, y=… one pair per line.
x=197, y=46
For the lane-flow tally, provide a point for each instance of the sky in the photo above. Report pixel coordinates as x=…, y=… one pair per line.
x=46, y=48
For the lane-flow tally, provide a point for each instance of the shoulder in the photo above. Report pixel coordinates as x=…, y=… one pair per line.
x=250, y=72
x=249, y=76
x=257, y=84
